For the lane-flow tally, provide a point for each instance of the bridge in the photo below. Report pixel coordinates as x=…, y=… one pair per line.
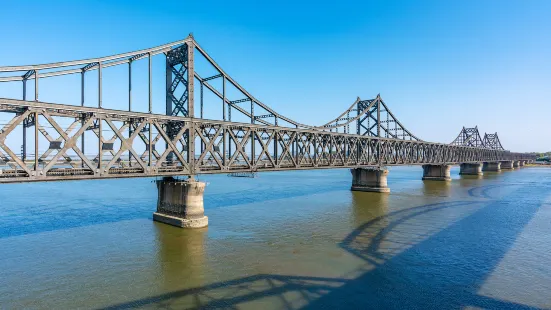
x=54, y=141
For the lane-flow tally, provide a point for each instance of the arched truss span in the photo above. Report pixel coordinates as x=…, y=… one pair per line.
x=470, y=137
x=184, y=79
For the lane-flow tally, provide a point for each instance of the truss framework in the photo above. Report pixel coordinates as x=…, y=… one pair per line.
x=469, y=137
x=225, y=146
x=183, y=142
x=491, y=141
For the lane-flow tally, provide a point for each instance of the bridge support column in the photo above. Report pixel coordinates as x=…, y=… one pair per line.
x=436, y=172
x=521, y=163
x=369, y=180
x=492, y=166
x=507, y=164
x=180, y=203
x=516, y=163
x=470, y=169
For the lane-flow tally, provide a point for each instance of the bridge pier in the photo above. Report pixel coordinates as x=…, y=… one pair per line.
x=516, y=163
x=470, y=169
x=492, y=166
x=436, y=172
x=521, y=163
x=369, y=180
x=180, y=203
x=507, y=164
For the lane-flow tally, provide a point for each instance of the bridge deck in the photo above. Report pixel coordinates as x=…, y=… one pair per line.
x=95, y=143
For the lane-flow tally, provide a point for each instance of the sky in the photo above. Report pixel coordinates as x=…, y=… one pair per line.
x=438, y=65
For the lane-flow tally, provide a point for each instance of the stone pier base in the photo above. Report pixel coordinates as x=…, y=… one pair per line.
x=492, y=166
x=507, y=164
x=521, y=163
x=369, y=180
x=436, y=172
x=180, y=203
x=470, y=169
x=516, y=163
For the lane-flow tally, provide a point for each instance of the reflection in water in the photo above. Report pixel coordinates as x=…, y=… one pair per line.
x=181, y=256
x=436, y=188
x=367, y=206
x=491, y=175
x=466, y=181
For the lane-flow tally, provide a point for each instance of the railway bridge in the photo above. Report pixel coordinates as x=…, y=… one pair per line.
x=86, y=138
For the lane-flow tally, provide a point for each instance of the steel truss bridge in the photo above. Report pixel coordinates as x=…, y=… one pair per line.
x=46, y=141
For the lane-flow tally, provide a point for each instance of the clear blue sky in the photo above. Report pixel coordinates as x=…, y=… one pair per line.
x=439, y=65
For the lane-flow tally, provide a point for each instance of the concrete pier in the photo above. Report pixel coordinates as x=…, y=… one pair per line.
x=180, y=203
x=507, y=164
x=516, y=163
x=369, y=180
x=436, y=172
x=494, y=166
x=521, y=163
x=470, y=169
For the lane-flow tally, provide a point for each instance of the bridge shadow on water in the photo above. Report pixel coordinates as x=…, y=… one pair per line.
x=412, y=260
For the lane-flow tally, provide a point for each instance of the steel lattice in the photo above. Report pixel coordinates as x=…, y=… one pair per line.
x=183, y=142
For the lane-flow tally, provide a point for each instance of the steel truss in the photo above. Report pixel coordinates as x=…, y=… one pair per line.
x=471, y=137
x=491, y=141
x=131, y=144
x=248, y=147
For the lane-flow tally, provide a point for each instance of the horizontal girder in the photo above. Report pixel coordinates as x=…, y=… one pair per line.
x=144, y=144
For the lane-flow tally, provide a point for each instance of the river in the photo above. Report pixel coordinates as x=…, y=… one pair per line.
x=284, y=240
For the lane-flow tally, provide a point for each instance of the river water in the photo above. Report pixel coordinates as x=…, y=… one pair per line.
x=285, y=240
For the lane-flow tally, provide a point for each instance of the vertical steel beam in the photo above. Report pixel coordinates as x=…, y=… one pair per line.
x=201, y=109
x=36, y=143
x=252, y=111
x=295, y=146
x=168, y=86
x=190, y=79
x=99, y=84
x=82, y=120
x=224, y=97
x=150, y=146
x=129, y=107
x=378, y=130
x=378, y=117
x=253, y=136
x=277, y=161
x=253, y=153
x=191, y=104
x=224, y=144
x=150, y=80
x=100, y=145
x=82, y=88
x=24, y=146
x=201, y=116
x=130, y=85
x=229, y=138
x=35, y=85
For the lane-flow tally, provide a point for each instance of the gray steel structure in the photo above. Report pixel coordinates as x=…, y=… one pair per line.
x=181, y=144
x=471, y=137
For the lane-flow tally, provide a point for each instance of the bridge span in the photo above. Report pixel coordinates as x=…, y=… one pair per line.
x=54, y=141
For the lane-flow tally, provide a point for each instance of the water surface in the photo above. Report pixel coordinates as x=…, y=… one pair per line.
x=285, y=240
